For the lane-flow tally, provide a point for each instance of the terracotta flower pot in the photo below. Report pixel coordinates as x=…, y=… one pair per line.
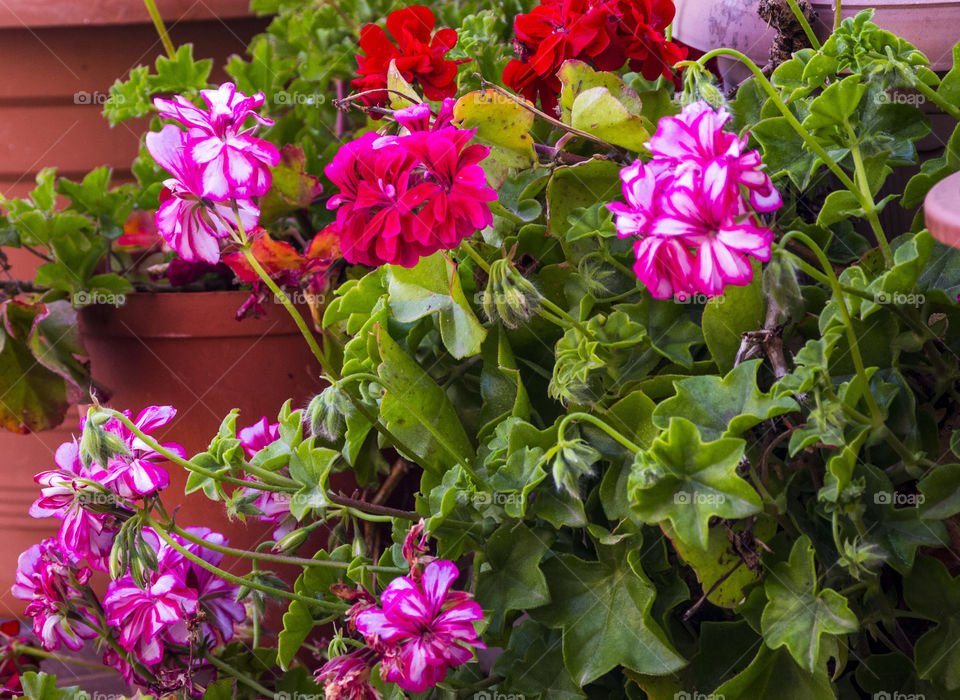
x=942, y=210
x=60, y=58
x=930, y=25
x=735, y=24
x=188, y=351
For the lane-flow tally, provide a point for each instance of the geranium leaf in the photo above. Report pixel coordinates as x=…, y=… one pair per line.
x=604, y=607
x=897, y=532
x=941, y=492
x=727, y=317
x=38, y=379
x=932, y=592
x=687, y=481
x=297, y=623
x=532, y=664
x=397, y=83
x=598, y=112
x=774, y=674
x=433, y=286
x=293, y=187
x=712, y=564
x=418, y=411
x=580, y=185
x=725, y=407
x=576, y=77
x=797, y=614
x=513, y=580
x=274, y=256
x=501, y=124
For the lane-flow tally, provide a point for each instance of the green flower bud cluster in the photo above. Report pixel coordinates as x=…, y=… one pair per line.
x=509, y=296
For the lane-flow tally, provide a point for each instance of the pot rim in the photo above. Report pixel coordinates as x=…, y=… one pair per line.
x=184, y=315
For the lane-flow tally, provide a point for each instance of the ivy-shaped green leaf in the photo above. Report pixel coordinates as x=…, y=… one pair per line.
x=513, y=580
x=725, y=407
x=933, y=593
x=417, y=410
x=687, y=481
x=797, y=614
x=604, y=607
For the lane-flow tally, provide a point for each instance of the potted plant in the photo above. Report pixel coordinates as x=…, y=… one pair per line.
x=662, y=421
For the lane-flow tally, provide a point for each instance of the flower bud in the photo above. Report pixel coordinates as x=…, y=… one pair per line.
x=98, y=445
x=698, y=85
x=509, y=296
x=292, y=540
x=326, y=413
x=568, y=461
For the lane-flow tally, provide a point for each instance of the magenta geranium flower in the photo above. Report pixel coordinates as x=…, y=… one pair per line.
x=43, y=579
x=190, y=221
x=687, y=208
x=376, y=207
x=457, y=205
x=257, y=436
x=423, y=627
x=217, y=597
x=715, y=221
x=405, y=197
x=233, y=163
x=347, y=677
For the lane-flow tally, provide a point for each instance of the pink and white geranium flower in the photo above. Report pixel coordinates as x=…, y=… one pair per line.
x=423, y=627
x=687, y=208
x=146, y=619
x=83, y=534
x=233, y=163
x=190, y=221
x=43, y=580
x=137, y=474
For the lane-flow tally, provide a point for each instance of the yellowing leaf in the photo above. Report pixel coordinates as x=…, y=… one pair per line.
x=501, y=124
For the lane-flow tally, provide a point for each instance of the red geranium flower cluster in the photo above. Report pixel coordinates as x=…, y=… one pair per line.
x=604, y=33
x=419, y=56
x=406, y=197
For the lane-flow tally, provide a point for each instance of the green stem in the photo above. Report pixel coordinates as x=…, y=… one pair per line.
x=186, y=464
x=275, y=558
x=477, y=258
x=287, y=304
x=760, y=486
x=836, y=14
x=802, y=20
x=593, y=420
x=864, y=194
x=44, y=654
x=875, y=413
x=161, y=28
x=226, y=575
x=373, y=508
x=935, y=97
x=243, y=678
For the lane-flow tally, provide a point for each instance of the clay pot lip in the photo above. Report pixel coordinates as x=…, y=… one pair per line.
x=184, y=315
x=15, y=14
x=940, y=210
